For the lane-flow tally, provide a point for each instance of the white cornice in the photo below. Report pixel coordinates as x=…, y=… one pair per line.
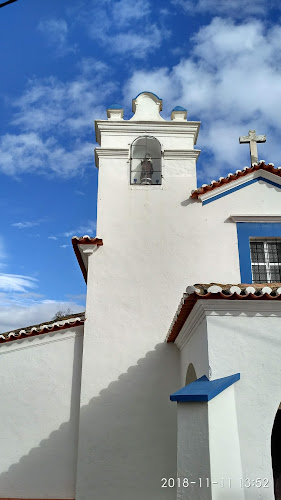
x=244, y=307
x=110, y=153
x=41, y=339
x=215, y=307
x=152, y=127
x=117, y=153
x=169, y=154
x=177, y=154
x=238, y=182
x=256, y=218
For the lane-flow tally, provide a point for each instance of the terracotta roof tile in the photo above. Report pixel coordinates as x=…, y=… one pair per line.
x=255, y=291
x=87, y=240
x=233, y=177
x=69, y=321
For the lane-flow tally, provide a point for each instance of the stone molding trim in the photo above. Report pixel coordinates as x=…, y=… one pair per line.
x=239, y=174
x=84, y=240
x=256, y=291
x=256, y=218
x=155, y=128
x=110, y=153
x=175, y=154
x=51, y=326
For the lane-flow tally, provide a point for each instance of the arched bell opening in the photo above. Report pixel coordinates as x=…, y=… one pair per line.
x=276, y=453
x=146, y=161
x=190, y=374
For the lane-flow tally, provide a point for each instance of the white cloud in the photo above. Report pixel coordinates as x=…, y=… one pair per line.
x=54, y=121
x=16, y=282
x=160, y=81
x=232, y=82
x=13, y=316
x=78, y=296
x=123, y=27
x=52, y=238
x=233, y=8
x=89, y=227
x=125, y=11
x=63, y=107
x=137, y=44
x=21, y=305
x=25, y=224
x=56, y=32
x=28, y=152
x=64, y=246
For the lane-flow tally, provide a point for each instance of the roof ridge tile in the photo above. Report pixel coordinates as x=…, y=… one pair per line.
x=52, y=326
x=261, y=165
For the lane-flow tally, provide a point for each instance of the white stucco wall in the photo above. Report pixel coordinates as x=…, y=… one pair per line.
x=239, y=337
x=156, y=241
x=193, y=452
x=242, y=339
x=39, y=411
x=128, y=371
x=208, y=450
x=225, y=458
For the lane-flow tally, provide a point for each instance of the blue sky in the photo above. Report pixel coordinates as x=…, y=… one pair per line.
x=62, y=63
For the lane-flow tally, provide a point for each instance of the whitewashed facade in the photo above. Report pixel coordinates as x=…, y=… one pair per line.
x=127, y=439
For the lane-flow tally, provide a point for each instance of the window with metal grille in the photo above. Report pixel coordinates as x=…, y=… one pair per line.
x=266, y=260
x=146, y=161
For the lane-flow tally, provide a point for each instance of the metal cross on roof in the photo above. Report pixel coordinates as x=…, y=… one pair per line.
x=252, y=138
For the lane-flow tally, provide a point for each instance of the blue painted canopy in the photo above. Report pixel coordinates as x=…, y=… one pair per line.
x=204, y=389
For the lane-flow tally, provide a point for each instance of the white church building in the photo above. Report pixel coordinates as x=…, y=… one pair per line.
x=168, y=387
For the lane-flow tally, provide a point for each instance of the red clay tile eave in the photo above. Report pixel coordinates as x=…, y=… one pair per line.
x=191, y=300
x=235, y=176
x=186, y=309
x=55, y=328
x=83, y=241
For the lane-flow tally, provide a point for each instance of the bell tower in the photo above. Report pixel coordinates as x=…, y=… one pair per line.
x=147, y=169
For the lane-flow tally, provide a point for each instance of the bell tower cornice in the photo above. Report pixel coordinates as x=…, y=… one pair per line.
x=132, y=129
x=146, y=120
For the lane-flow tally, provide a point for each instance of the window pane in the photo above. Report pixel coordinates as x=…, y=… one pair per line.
x=144, y=146
x=275, y=273
x=259, y=273
x=274, y=251
x=139, y=151
x=145, y=172
x=257, y=251
x=146, y=161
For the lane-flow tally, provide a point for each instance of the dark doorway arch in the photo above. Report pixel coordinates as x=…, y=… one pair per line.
x=276, y=454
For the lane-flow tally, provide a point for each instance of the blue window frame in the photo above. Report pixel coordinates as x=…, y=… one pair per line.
x=247, y=230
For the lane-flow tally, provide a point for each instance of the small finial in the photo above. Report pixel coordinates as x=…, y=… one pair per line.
x=115, y=112
x=179, y=114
